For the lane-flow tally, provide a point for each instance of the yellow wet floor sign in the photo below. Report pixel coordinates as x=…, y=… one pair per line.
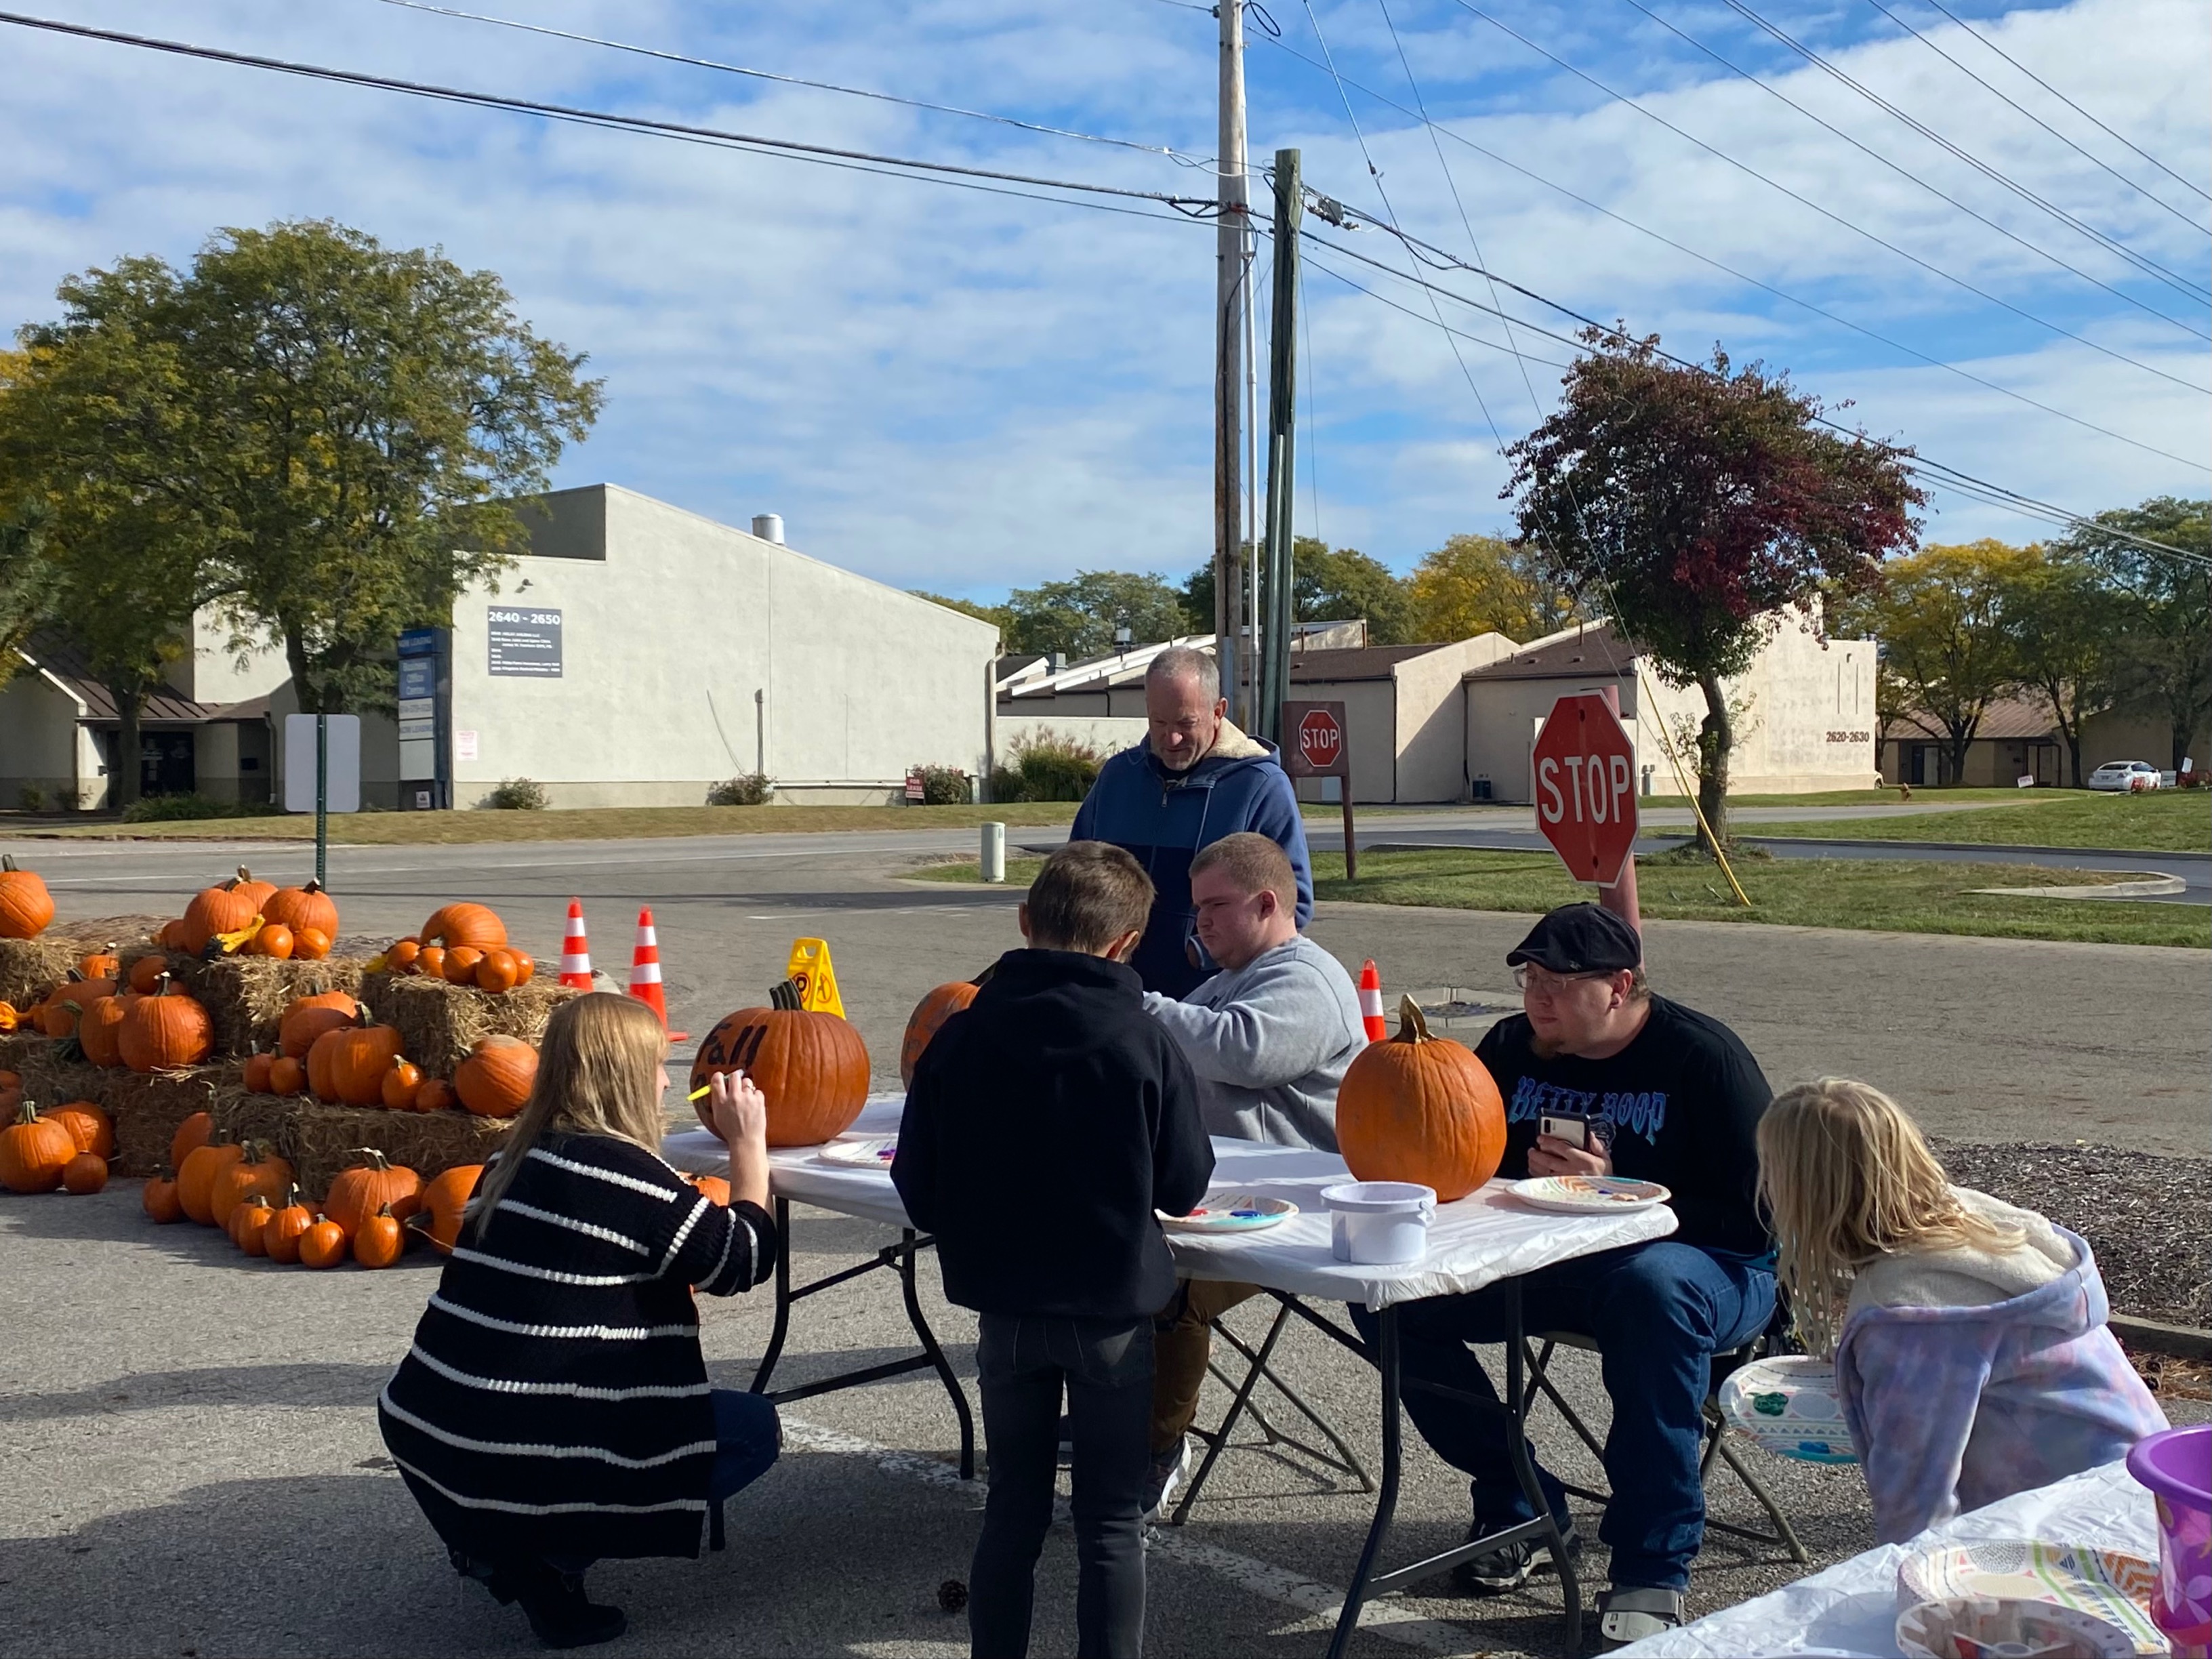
x=816, y=979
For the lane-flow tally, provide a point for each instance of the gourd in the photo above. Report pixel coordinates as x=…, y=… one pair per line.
x=34, y=1150
x=26, y=907
x=473, y=925
x=403, y=1081
x=380, y=1242
x=159, y=1199
x=85, y=1173
x=324, y=1244
x=167, y=1029
x=931, y=1011
x=495, y=1080
x=303, y=907
x=1423, y=1109
x=307, y=1018
x=812, y=1068
x=89, y=1127
x=444, y=1204
x=377, y=1183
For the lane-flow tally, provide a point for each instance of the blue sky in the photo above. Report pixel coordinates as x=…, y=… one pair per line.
x=966, y=391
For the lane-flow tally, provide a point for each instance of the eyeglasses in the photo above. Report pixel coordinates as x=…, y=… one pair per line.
x=1544, y=982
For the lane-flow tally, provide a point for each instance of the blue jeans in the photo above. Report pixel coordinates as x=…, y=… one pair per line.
x=1658, y=1313
x=747, y=1438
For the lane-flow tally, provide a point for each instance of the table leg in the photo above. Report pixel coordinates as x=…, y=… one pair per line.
x=782, y=1297
x=1386, y=1503
x=936, y=1360
x=1219, y=1444
x=1517, y=1391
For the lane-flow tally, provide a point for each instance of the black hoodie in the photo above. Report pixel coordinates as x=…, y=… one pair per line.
x=1046, y=1122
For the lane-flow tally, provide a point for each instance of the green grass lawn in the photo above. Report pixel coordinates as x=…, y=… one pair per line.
x=1848, y=797
x=1891, y=895
x=2163, y=821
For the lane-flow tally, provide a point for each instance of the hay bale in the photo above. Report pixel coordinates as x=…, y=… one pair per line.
x=320, y=1139
x=16, y=1047
x=241, y=1113
x=148, y=1106
x=29, y=967
x=51, y=1080
x=246, y=996
x=438, y=1022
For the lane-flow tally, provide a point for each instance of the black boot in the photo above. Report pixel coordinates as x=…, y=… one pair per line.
x=495, y=1579
x=559, y=1610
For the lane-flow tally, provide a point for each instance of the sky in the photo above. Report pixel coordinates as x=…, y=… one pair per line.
x=968, y=392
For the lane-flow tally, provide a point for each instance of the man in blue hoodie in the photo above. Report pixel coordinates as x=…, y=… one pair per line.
x=1195, y=779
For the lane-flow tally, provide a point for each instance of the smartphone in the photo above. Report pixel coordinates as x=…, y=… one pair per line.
x=1575, y=1131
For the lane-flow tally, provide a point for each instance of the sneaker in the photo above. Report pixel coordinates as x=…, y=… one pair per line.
x=1629, y=1612
x=1169, y=1468
x=560, y=1613
x=1508, y=1567
x=1067, y=1442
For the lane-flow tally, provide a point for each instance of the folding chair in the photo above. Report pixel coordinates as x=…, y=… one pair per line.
x=1717, y=1442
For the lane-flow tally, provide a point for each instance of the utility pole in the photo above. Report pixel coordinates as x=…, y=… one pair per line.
x=1232, y=297
x=1282, y=446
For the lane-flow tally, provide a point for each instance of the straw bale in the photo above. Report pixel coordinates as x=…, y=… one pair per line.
x=29, y=967
x=16, y=1047
x=438, y=1022
x=320, y=1139
x=52, y=1081
x=246, y=996
x=148, y=1106
x=242, y=1114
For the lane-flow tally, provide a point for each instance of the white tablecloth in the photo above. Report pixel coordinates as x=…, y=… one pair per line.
x=1851, y=1608
x=1484, y=1237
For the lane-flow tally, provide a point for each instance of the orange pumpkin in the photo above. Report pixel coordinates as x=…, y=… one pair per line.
x=85, y=1173
x=380, y=1241
x=473, y=925
x=713, y=1186
x=307, y=1018
x=246, y=1221
x=221, y=909
x=400, y=957
x=66, y=1003
x=251, y=887
x=461, y=962
x=167, y=1029
x=26, y=907
x=931, y=1011
x=496, y=972
x=376, y=1183
x=33, y=1151
x=436, y=1095
x=813, y=1067
x=495, y=1080
x=355, y=1060
x=305, y=906
x=525, y=965
x=1420, y=1108
x=402, y=1082
x=196, y=1175
x=192, y=1133
x=100, y=1031
x=171, y=935
x=145, y=975
x=444, y=1204
x=256, y=1077
x=286, y=1076
x=102, y=964
x=256, y=1173
x=430, y=960
x=89, y=1127
x=310, y=945
x=282, y=1232
x=324, y=1244
x=10, y=1017
x=275, y=939
x=159, y=1200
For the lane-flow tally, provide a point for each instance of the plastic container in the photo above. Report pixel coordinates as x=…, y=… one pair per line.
x=2177, y=1466
x=1378, y=1223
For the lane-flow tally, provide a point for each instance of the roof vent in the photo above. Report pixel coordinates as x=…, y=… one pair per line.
x=769, y=526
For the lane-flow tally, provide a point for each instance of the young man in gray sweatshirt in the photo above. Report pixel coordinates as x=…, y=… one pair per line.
x=1269, y=1036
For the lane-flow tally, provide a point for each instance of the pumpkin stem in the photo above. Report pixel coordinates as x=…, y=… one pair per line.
x=7, y=862
x=375, y=1156
x=311, y=886
x=1412, y=1026
x=27, y=1112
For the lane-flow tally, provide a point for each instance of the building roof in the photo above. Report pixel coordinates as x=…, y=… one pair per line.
x=66, y=663
x=1587, y=652
x=2008, y=719
x=1373, y=662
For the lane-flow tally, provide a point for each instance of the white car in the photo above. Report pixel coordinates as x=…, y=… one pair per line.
x=2124, y=776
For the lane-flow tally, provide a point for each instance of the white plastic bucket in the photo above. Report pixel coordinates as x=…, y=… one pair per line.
x=1375, y=1222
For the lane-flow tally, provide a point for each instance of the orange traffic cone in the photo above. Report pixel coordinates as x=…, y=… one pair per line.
x=1370, y=1002
x=576, y=950
x=645, y=970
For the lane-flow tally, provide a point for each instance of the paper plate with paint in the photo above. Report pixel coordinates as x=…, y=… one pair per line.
x=1788, y=1406
x=2104, y=1585
x=1981, y=1627
x=1226, y=1211
x=866, y=1152
x=1589, y=1195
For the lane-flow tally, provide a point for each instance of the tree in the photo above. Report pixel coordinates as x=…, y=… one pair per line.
x=1483, y=584
x=996, y=615
x=1944, y=619
x=365, y=418
x=25, y=592
x=1327, y=585
x=1079, y=618
x=2064, y=623
x=2168, y=652
x=1697, y=503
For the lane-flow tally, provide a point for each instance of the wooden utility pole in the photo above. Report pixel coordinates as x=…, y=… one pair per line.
x=1282, y=448
x=1232, y=297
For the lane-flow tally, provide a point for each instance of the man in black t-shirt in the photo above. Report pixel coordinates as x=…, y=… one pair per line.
x=1634, y=1084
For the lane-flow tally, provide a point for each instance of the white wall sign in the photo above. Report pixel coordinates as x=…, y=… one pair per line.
x=524, y=641
x=341, y=762
x=465, y=746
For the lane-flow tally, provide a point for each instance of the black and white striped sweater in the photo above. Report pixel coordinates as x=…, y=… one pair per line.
x=555, y=1400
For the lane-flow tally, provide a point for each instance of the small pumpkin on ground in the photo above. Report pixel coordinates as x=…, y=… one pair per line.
x=403, y=1081
x=160, y=1200
x=931, y=1011
x=305, y=906
x=813, y=1067
x=167, y=1029
x=473, y=925
x=444, y=1204
x=89, y=1126
x=84, y=1174
x=196, y=1175
x=375, y=1182
x=256, y=1173
x=286, y=1076
x=324, y=1244
x=437, y=1094
x=287, y=1224
x=100, y=1031
x=26, y=907
x=380, y=1241
x=246, y=1221
x=34, y=1150
x=495, y=1080
x=194, y=1132
x=1423, y=1109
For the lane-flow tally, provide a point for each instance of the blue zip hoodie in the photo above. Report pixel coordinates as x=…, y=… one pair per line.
x=1163, y=818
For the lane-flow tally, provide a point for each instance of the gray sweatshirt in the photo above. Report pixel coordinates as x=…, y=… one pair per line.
x=1270, y=1042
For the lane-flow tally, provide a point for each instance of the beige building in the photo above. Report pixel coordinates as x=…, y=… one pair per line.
x=1405, y=719
x=2017, y=738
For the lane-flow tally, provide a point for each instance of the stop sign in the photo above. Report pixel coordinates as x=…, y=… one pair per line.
x=1585, y=776
x=1320, y=740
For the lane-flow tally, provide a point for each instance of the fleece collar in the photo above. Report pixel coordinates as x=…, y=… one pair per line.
x=1233, y=746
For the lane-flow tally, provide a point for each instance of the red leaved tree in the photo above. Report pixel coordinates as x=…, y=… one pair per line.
x=1692, y=503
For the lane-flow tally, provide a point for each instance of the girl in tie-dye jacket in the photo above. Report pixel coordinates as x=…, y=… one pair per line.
x=1969, y=1337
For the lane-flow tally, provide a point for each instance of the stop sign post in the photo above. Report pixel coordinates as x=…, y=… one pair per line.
x=1317, y=743
x=1584, y=770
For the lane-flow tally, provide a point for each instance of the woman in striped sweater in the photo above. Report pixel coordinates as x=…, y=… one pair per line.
x=554, y=1408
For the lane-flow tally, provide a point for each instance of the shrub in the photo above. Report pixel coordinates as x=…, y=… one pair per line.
x=1051, y=768
x=159, y=809
x=943, y=786
x=69, y=797
x=31, y=797
x=517, y=795
x=746, y=789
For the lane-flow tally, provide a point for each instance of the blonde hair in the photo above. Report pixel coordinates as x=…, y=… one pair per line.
x=1847, y=1176
x=598, y=1074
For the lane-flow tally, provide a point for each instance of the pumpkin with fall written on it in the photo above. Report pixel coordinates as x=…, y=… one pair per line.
x=812, y=1068
x=34, y=1150
x=931, y=1011
x=26, y=907
x=1422, y=1108
x=167, y=1029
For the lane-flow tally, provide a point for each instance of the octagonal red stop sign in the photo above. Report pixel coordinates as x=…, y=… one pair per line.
x=1585, y=777
x=1321, y=740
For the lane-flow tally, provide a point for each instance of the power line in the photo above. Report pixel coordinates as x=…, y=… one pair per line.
x=1908, y=175
x=943, y=172
x=2079, y=149
x=1437, y=129
x=1748, y=169
x=1176, y=155
x=2149, y=266
x=2179, y=179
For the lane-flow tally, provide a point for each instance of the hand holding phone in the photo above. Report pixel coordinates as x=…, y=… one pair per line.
x=1569, y=1145
x=1575, y=1131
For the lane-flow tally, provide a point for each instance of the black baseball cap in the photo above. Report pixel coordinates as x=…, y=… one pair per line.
x=1579, y=938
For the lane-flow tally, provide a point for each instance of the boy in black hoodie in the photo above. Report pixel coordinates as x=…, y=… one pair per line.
x=1046, y=1122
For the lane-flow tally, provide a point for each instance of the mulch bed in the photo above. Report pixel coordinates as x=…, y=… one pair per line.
x=2144, y=1215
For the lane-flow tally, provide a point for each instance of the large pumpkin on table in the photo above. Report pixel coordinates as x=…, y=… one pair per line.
x=931, y=1011
x=812, y=1066
x=26, y=907
x=166, y=1029
x=1420, y=1108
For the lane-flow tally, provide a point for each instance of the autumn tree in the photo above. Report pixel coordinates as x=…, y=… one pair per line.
x=1697, y=503
x=1484, y=584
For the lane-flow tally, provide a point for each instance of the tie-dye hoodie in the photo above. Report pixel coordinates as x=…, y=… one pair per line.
x=1955, y=1402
